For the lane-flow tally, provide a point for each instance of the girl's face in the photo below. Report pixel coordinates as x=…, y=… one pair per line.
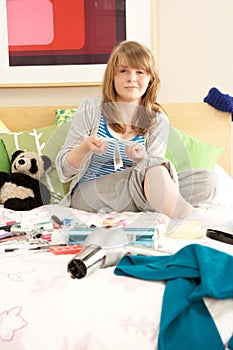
x=130, y=83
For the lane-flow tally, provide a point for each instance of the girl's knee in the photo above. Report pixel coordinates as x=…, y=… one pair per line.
x=200, y=186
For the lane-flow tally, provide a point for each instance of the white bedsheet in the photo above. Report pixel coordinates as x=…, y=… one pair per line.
x=42, y=307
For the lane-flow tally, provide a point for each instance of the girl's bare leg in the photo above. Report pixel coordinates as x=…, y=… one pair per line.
x=163, y=194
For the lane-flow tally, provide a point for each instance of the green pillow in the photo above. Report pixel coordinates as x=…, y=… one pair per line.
x=3, y=127
x=187, y=152
x=45, y=141
x=64, y=115
x=5, y=164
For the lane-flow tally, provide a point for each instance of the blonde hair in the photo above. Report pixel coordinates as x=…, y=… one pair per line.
x=137, y=56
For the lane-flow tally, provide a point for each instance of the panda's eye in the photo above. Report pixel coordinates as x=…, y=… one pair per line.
x=21, y=161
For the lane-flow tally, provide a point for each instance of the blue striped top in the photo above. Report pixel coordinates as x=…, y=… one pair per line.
x=104, y=164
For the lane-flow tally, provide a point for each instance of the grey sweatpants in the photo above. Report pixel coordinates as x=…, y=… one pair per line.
x=124, y=190
x=198, y=186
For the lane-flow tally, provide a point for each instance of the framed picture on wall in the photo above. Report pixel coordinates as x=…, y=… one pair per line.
x=66, y=42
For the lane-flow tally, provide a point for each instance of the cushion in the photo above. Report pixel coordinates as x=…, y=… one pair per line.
x=187, y=152
x=48, y=141
x=5, y=164
x=64, y=115
x=3, y=127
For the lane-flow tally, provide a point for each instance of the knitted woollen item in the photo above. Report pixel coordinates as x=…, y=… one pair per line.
x=220, y=101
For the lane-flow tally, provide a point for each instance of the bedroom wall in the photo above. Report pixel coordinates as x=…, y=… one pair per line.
x=194, y=53
x=194, y=48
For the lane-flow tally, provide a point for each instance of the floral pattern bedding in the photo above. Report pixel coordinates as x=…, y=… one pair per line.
x=42, y=307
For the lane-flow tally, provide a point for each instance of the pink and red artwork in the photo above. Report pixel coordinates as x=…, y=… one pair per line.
x=61, y=32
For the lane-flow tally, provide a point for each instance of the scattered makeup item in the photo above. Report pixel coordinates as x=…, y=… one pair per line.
x=185, y=230
x=225, y=237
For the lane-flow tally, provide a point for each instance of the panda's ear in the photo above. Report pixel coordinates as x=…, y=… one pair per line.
x=15, y=155
x=47, y=163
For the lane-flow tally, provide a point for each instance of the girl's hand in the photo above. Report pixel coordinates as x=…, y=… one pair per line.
x=135, y=152
x=96, y=145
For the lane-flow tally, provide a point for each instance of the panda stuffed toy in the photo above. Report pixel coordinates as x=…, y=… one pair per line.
x=21, y=189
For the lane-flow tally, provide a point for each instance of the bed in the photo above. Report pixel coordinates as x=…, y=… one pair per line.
x=43, y=307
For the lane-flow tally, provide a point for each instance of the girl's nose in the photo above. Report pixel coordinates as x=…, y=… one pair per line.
x=131, y=76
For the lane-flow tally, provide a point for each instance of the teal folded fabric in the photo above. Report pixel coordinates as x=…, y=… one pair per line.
x=191, y=274
x=230, y=343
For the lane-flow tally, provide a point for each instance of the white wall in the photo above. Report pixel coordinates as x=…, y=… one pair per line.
x=48, y=96
x=194, y=53
x=194, y=48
